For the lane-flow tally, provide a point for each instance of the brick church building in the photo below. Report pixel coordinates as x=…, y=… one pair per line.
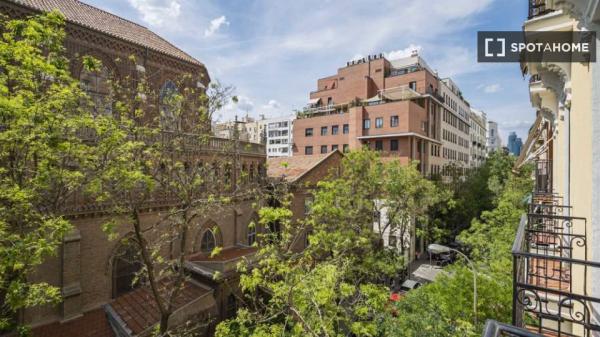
x=89, y=269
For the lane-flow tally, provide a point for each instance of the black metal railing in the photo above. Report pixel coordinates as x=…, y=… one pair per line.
x=550, y=272
x=538, y=8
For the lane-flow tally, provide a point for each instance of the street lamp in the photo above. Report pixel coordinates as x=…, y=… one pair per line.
x=438, y=249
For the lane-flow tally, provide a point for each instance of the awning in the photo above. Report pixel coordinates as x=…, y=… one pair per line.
x=532, y=137
x=314, y=101
x=373, y=99
x=399, y=93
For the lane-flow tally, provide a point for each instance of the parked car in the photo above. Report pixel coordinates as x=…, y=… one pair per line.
x=409, y=285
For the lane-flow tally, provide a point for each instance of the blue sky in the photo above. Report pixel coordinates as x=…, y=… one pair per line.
x=273, y=51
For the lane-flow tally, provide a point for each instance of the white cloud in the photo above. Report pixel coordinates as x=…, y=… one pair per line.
x=402, y=53
x=455, y=61
x=356, y=57
x=272, y=104
x=243, y=107
x=215, y=25
x=157, y=12
x=492, y=88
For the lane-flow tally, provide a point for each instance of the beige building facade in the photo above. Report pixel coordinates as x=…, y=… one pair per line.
x=558, y=264
x=477, y=134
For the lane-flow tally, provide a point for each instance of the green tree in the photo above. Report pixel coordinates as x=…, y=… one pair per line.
x=337, y=286
x=444, y=307
x=44, y=161
x=407, y=198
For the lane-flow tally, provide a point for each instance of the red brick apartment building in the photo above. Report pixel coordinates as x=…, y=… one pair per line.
x=391, y=106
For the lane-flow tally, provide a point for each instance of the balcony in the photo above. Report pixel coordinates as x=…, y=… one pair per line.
x=538, y=8
x=550, y=272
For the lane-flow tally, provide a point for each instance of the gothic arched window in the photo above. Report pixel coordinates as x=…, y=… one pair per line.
x=168, y=105
x=208, y=241
x=96, y=85
x=126, y=266
x=251, y=235
x=231, y=308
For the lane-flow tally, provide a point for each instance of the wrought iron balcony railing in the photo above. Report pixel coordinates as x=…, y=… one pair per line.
x=551, y=273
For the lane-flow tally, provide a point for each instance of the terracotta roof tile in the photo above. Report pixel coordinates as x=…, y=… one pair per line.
x=96, y=19
x=92, y=324
x=292, y=168
x=138, y=310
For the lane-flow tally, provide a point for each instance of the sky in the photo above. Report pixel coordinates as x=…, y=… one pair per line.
x=273, y=51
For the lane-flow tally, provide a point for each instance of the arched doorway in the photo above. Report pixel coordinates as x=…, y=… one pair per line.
x=126, y=265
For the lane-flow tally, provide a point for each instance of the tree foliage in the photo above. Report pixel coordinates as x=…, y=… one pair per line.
x=445, y=307
x=43, y=159
x=337, y=286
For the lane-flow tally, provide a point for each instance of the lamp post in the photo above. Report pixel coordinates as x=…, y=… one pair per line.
x=438, y=249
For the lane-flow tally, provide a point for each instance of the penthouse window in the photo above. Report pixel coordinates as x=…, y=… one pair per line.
x=335, y=129
x=346, y=129
x=394, y=145
x=366, y=124
x=308, y=150
x=308, y=132
x=323, y=148
x=394, y=121
x=379, y=122
x=413, y=85
x=323, y=131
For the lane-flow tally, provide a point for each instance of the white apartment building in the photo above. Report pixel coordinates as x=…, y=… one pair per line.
x=455, y=125
x=494, y=142
x=478, y=132
x=249, y=129
x=279, y=136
